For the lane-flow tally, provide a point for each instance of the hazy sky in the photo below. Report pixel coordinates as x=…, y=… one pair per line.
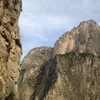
x=42, y=22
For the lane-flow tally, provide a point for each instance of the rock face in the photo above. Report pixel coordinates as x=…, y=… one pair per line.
x=69, y=71
x=10, y=49
x=83, y=39
x=37, y=59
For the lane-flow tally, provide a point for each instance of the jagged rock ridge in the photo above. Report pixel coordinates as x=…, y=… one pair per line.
x=69, y=71
x=10, y=49
x=83, y=39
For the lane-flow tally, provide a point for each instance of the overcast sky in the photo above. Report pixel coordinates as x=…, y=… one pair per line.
x=42, y=22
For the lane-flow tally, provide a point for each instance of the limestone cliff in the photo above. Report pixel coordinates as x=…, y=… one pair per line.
x=10, y=48
x=69, y=71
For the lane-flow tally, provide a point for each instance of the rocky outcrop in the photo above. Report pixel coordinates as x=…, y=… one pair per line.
x=69, y=71
x=37, y=59
x=10, y=48
x=83, y=39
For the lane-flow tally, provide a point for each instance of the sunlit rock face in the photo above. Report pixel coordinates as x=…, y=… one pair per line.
x=10, y=48
x=83, y=39
x=69, y=71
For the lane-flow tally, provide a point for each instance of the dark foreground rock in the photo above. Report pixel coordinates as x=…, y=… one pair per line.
x=69, y=71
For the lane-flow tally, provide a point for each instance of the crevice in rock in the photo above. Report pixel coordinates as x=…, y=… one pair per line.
x=10, y=96
x=18, y=43
x=45, y=80
x=5, y=37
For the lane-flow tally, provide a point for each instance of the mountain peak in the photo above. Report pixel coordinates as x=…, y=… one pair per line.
x=70, y=70
x=83, y=39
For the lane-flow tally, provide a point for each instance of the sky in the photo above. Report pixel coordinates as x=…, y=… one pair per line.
x=42, y=22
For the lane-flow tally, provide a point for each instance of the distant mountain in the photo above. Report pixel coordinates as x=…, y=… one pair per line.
x=69, y=71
